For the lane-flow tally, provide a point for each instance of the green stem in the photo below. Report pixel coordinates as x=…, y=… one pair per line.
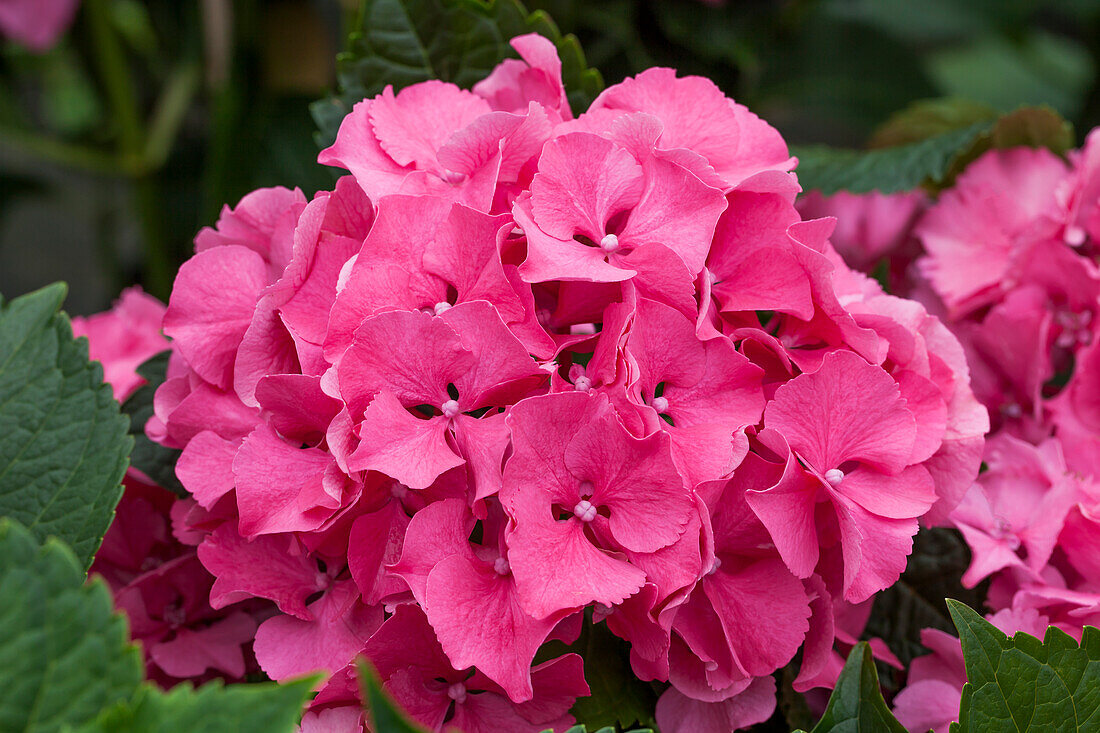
x=114, y=74
x=62, y=153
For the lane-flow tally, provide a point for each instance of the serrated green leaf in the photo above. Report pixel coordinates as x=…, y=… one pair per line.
x=402, y=42
x=213, y=708
x=856, y=704
x=64, y=654
x=385, y=715
x=1022, y=684
x=152, y=459
x=65, y=446
x=66, y=662
x=887, y=170
x=927, y=118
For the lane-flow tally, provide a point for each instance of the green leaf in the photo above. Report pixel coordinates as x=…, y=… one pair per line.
x=402, y=42
x=213, y=708
x=152, y=459
x=385, y=715
x=66, y=663
x=856, y=704
x=888, y=170
x=618, y=697
x=1022, y=684
x=64, y=655
x=927, y=118
x=65, y=447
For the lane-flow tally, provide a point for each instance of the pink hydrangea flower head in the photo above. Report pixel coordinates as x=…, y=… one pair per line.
x=123, y=338
x=36, y=24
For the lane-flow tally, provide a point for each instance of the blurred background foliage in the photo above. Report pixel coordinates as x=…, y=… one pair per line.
x=124, y=139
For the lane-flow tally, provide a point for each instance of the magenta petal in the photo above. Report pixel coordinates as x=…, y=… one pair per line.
x=434, y=533
x=289, y=647
x=479, y=622
x=908, y=494
x=847, y=410
x=557, y=568
x=875, y=548
x=411, y=450
x=211, y=307
x=787, y=510
x=263, y=568
x=678, y=713
x=278, y=485
x=218, y=647
x=375, y=541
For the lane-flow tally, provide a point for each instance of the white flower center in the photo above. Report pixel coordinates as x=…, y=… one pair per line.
x=453, y=177
x=660, y=404
x=457, y=692
x=583, y=384
x=584, y=511
x=449, y=408
x=609, y=243
x=501, y=566
x=441, y=307
x=834, y=476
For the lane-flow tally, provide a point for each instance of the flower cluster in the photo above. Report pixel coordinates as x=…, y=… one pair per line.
x=522, y=371
x=1010, y=259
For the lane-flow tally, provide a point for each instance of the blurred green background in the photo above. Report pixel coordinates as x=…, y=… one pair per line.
x=119, y=143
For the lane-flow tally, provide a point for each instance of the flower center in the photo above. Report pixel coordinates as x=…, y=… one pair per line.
x=660, y=404
x=449, y=408
x=584, y=511
x=1074, y=236
x=834, y=476
x=457, y=692
x=501, y=566
x=582, y=384
x=441, y=307
x=453, y=177
x=609, y=243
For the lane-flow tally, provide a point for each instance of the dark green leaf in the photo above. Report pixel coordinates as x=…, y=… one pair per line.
x=402, y=42
x=1022, y=684
x=65, y=446
x=887, y=170
x=213, y=708
x=155, y=461
x=618, y=697
x=856, y=704
x=63, y=654
x=927, y=118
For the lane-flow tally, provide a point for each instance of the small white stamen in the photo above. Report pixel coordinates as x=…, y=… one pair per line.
x=660, y=404
x=1074, y=236
x=449, y=408
x=584, y=511
x=453, y=177
x=714, y=566
x=441, y=307
x=457, y=692
x=501, y=566
x=517, y=231
x=609, y=243
x=583, y=384
x=834, y=476
x=1012, y=410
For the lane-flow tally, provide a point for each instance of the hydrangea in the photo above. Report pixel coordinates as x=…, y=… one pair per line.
x=36, y=24
x=522, y=370
x=1009, y=258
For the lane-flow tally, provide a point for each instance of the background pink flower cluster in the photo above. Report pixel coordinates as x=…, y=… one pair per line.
x=1010, y=258
x=522, y=371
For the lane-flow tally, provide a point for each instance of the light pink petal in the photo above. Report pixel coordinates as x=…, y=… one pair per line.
x=847, y=410
x=205, y=468
x=553, y=258
x=908, y=494
x=434, y=533
x=296, y=406
x=412, y=125
x=211, y=307
x=928, y=705
x=373, y=543
x=583, y=181
x=787, y=509
x=875, y=549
